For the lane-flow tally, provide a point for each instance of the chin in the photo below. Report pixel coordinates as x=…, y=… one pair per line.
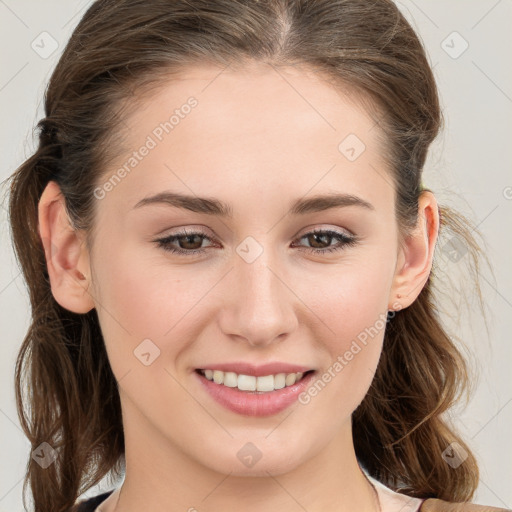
x=276, y=465
x=253, y=456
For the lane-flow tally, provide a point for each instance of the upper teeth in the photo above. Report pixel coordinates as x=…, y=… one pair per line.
x=250, y=382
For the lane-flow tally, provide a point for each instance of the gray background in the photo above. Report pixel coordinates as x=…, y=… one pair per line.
x=469, y=167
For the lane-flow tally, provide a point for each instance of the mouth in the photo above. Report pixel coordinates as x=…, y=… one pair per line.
x=252, y=384
x=248, y=395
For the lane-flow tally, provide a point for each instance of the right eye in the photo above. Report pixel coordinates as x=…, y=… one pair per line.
x=185, y=239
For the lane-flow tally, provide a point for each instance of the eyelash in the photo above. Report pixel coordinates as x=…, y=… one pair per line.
x=345, y=240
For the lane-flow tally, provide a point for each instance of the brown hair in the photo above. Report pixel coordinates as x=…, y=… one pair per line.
x=123, y=47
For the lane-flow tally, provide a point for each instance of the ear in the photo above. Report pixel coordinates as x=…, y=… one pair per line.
x=415, y=257
x=67, y=258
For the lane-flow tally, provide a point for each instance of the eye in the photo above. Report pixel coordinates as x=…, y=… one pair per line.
x=320, y=237
x=190, y=242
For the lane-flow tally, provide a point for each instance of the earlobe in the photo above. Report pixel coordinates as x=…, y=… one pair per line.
x=415, y=260
x=67, y=259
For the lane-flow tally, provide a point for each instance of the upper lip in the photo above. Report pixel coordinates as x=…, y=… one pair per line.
x=257, y=370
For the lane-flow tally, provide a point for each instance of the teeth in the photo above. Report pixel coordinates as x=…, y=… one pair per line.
x=230, y=379
x=264, y=383
x=279, y=381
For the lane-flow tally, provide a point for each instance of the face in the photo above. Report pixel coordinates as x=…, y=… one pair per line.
x=180, y=287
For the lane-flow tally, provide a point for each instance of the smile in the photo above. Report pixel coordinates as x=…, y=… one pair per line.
x=249, y=395
x=243, y=382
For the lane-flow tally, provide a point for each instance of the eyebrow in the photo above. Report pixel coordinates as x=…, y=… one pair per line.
x=212, y=206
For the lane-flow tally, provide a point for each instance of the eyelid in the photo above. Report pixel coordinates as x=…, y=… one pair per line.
x=315, y=228
x=189, y=228
x=325, y=228
x=343, y=240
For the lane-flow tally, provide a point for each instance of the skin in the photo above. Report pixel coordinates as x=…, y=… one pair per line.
x=259, y=139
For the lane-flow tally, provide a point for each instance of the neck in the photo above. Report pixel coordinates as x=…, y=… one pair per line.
x=160, y=477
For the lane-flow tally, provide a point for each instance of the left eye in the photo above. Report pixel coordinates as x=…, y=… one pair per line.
x=190, y=242
x=322, y=236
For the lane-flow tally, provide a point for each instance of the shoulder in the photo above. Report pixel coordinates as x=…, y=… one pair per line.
x=435, y=505
x=392, y=501
x=90, y=504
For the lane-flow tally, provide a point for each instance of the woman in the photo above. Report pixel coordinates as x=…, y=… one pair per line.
x=229, y=253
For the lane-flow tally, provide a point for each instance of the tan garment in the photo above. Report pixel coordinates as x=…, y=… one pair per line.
x=435, y=505
x=392, y=501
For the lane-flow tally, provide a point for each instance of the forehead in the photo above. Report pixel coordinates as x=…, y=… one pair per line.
x=256, y=126
x=275, y=96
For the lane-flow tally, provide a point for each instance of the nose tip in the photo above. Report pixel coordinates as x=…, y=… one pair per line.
x=260, y=308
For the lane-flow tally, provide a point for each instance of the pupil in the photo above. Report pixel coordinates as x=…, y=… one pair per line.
x=188, y=239
x=317, y=236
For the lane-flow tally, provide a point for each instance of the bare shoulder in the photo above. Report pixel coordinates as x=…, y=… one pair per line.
x=435, y=505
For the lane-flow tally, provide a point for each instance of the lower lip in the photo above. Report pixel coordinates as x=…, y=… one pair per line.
x=253, y=403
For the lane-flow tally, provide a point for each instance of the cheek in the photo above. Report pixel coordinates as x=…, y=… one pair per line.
x=147, y=289
x=140, y=299
x=350, y=296
x=149, y=317
x=353, y=355
x=353, y=304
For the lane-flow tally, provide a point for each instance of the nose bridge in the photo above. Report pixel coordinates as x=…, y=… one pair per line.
x=260, y=304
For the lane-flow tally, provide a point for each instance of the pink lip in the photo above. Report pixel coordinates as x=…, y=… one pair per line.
x=257, y=371
x=255, y=403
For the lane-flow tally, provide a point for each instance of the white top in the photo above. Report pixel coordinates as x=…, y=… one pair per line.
x=391, y=501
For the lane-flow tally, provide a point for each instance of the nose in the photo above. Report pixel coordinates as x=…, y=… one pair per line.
x=260, y=308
